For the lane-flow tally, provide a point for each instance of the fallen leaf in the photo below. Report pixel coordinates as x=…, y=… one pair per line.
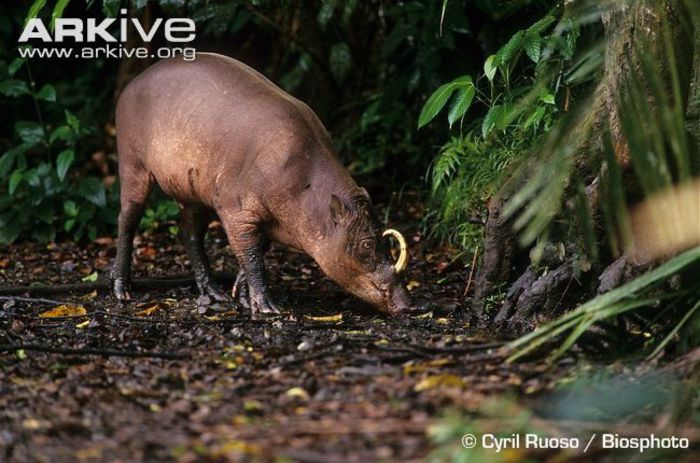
x=439, y=381
x=148, y=308
x=91, y=277
x=148, y=311
x=90, y=453
x=329, y=318
x=64, y=310
x=252, y=406
x=425, y=315
x=235, y=447
x=83, y=324
x=412, y=284
x=297, y=392
x=89, y=296
x=33, y=424
x=148, y=252
x=411, y=367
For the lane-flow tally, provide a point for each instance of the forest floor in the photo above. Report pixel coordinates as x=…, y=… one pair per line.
x=161, y=379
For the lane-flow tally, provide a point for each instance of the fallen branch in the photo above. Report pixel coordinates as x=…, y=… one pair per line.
x=33, y=300
x=105, y=285
x=91, y=351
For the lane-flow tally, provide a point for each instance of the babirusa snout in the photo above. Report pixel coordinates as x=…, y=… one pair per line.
x=402, y=261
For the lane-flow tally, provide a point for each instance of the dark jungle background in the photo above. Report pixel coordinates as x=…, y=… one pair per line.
x=549, y=147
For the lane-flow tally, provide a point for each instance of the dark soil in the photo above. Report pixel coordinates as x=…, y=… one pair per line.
x=161, y=379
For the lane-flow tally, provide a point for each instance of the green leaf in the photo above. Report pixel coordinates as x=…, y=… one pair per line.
x=10, y=227
x=533, y=47
x=541, y=25
x=14, y=87
x=15, y=180
x=7, y=162
x=91, y=277
x=70, y=208
x=15, y=65
x=348, y=10
x=63, y=163
x=34, y=10
x=340, y=61
x=47, y=93
x=63, y=132
x=438, y=99
x=535, y=117
x=505, y=115
x=29, y=132
x=461, y=104
x=511, y=47
x=93, y=190
x=547, y=98
x=490, y=120
x=32, y=178
x=325, y=13
x=490, y=67
x=58, y=11
x=72, y=120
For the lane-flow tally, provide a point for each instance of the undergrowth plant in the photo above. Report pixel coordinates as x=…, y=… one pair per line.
x=662, y=303
x=40, y=187
x=521, y=91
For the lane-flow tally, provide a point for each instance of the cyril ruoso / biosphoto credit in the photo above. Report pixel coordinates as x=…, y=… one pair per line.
x=349, y=231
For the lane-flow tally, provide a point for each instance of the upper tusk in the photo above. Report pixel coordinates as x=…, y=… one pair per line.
x=402, y=261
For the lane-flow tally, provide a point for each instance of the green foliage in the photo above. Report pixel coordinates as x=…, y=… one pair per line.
x=465, y=174
x=165, y=210
x=438, y=99
x=518, y=111
x=39, y=191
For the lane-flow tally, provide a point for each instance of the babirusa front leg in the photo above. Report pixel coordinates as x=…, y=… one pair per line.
x=243, y=231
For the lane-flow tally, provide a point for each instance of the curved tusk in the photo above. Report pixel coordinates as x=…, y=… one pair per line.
x=402, y=261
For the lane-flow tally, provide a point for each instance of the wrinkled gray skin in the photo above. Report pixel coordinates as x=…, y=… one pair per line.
x=223, y=140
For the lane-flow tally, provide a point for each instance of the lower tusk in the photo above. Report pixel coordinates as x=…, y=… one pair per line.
x=402, y=261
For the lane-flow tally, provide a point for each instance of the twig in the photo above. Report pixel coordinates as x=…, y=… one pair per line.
x=104, y=285
x=459, y=350
x=33, y=300
x=91, y=351
x=401, y=349
x=471, y=271
x=304, y=358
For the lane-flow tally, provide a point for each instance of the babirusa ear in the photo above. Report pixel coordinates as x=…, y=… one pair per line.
x=338, y=209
